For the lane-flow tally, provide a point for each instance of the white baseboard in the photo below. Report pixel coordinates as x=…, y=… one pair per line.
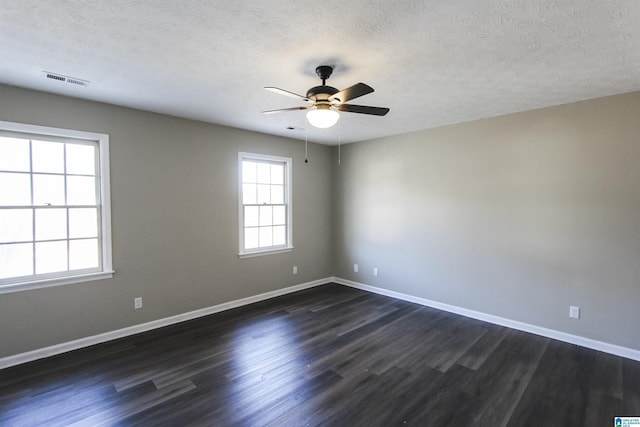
x=549, y=333
x=136, y=329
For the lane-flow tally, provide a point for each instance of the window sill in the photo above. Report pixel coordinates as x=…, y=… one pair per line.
x=58, y=281
x=267, y=252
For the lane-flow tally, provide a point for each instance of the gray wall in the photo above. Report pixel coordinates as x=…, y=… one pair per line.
x=174, y=221
x=518, y=216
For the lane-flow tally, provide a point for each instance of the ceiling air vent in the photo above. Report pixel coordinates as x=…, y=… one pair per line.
x=66, y=79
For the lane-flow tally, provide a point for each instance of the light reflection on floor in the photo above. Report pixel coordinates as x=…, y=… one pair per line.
x=261, y=378
x=54, y=404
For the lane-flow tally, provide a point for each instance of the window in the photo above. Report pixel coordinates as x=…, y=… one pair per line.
x=54, y=207
x=265, y=204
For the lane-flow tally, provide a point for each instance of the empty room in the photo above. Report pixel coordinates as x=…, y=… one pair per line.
x=270, y=213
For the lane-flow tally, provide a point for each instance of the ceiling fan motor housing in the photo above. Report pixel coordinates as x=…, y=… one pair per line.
x=321, y=90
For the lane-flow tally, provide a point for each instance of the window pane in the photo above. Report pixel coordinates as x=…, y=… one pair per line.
x=250, y=216
x=277, y=174
x=51, y=257
x=81, y=190
x=83, y=222
x=16, y=225
x=51, y=224
x=279, y=215
x=45, y=172
x=264, y=173
x=15, y=189
x=266, y=214
x=249, y=194
x=250, y=238
x=16, y=260
x=277, y=194
x=279, y=235
x=14, y=154
x=266, y=236
x=81, y=159
x=48, y=156
x=83, y=254
x=248, y=171
x=264, y=194
x=48, y=190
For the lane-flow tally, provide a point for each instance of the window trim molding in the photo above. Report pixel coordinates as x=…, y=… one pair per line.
x=102, y=140
x=288, y=247
x=57, y=281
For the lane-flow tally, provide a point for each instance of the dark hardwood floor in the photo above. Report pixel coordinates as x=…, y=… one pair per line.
x=330, y=356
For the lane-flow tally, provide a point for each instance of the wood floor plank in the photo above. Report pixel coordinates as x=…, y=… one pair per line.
x=562, y=376
x=501, y=380
x=443, y=399
x=326, y=356
x=631, y=388
x=482, y=349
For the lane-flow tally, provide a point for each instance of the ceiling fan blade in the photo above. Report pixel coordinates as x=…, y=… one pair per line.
x=286, y=93
x=351, y=92
x=362, y=109
x=285, y=109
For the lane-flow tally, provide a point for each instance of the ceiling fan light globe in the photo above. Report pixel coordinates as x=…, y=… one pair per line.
x=323, y=118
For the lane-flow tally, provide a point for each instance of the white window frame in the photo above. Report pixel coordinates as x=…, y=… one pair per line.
x=104, y=204
x=288, y=246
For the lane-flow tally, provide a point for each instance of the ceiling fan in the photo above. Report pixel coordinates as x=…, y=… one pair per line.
x=326, y=101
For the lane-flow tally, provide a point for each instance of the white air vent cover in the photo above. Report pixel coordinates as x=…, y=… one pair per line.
x=66, y=79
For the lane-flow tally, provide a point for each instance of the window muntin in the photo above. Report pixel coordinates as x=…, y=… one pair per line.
x=265, y=203
x=54, y=207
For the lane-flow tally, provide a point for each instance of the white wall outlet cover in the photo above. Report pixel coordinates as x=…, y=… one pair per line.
x=295, y=269
x=355, y=268
x=375, y=271
x=574, y=312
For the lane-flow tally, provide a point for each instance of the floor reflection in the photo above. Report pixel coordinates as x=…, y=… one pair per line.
x=267, y=364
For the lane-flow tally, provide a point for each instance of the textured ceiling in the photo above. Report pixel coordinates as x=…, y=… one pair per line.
x=431, y=62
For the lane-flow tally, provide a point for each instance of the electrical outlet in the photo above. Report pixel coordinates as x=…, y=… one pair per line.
x=295, y=269
x=574, y=312
x=375, y=271
x=355, y=268
x=137, y=303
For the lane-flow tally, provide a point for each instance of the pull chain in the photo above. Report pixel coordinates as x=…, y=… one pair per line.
x=339, y=140
x=306, y=136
